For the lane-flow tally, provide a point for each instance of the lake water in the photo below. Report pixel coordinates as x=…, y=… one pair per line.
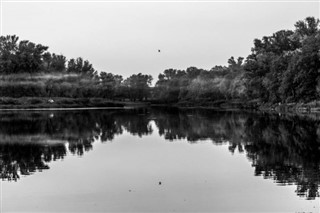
x=158, y=160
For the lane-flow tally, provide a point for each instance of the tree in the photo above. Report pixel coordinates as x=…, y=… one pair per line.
x=108, y=82
x=47, y=60
x=307, y=27
x=8, y=49
x=23, y=56
x=58, y=62
x=82, y=67
x=138, y=86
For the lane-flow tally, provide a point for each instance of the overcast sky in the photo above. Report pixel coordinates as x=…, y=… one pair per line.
x=124, y=38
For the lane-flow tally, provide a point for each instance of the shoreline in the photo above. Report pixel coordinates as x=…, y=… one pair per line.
x=57, y=103
x=60, y=104
x=62, y=109
x=288, y=108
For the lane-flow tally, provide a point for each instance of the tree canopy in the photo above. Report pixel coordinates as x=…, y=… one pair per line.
x=282, y=67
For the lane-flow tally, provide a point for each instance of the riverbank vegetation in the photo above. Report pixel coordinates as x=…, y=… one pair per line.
x=282, y=68
x=29, y=70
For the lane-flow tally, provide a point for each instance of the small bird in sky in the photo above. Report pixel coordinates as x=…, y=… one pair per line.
x=159, y=51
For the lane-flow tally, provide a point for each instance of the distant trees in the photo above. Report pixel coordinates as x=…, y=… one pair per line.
x=110, y=85
x=195, y=84
x=169, y=85
x=282, y=67
x=137, y=86
x=53, y=62
x=50, y=75
x=17, y=57
x=58, y=62
x=80, y=66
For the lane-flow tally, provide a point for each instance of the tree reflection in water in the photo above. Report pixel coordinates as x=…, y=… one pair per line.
x=283, y=148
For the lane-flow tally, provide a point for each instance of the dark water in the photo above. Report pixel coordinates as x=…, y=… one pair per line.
x=158, y=160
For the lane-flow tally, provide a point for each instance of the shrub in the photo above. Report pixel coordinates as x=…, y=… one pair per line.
x=35, y=101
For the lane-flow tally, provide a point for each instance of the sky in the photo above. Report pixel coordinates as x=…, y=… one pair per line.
x=124, y=37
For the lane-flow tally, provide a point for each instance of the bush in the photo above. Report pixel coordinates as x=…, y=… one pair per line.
x=17, y=90
x=67, y=101
x=35, y=101
x=9, y=101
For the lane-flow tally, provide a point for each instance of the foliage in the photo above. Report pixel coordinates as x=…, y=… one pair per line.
x=80, y=66
x=137, y=86
x=23, y=56
x=282, y=67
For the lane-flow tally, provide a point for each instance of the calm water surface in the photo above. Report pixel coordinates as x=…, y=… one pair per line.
x=158, y=160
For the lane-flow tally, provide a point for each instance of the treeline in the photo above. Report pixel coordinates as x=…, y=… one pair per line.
x=193, y=84
x=30, y=70
x=283, y=67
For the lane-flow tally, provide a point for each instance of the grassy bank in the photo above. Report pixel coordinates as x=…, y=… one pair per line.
x=57, y=102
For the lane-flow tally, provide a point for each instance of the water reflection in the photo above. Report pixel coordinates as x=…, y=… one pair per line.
x=283, y=148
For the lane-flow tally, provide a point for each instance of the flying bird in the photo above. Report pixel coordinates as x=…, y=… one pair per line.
x=159, y=51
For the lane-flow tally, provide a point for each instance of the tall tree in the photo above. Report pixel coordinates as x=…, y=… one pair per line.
x=138, y=86
x=23, y=56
